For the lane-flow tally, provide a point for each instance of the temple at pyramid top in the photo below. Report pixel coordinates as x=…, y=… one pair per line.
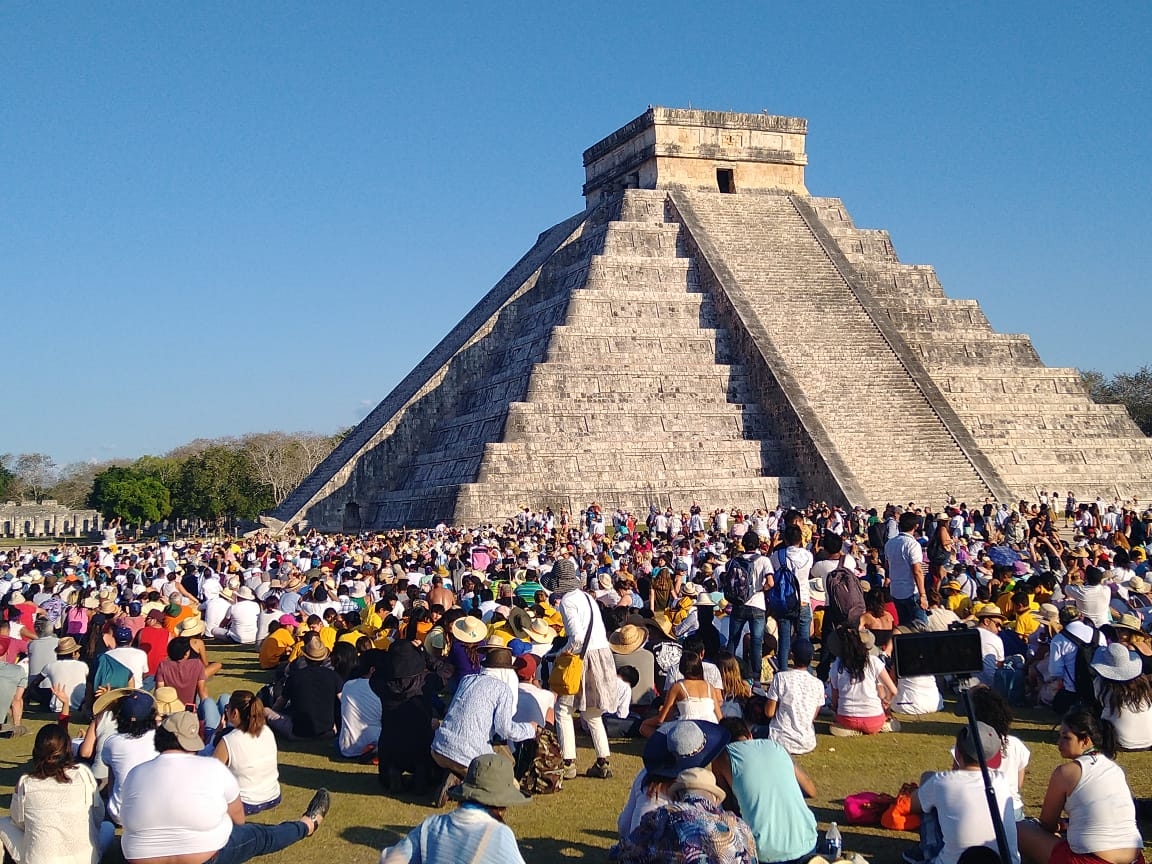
x=705, y=330
x=720, y=150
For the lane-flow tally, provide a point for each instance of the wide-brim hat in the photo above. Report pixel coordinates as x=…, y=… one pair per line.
x=109, y=699
x=690, y=589
x=245, y=593
x=193, y=626
x=628, y=639
x=683, y=744
x=541, y=632
x=519, y=622
x=469, y=630
x=990, y=610
x=498, y=658
x=697, y=780
x=1117, y=663
x=491, y=782
x=816, y=588
x=1050, y=614
x=315, y=650
x=403, y=660
x=167, y=700
x=1127, y=621
x=66, y=646
x=1138, y=585
x=705, y=600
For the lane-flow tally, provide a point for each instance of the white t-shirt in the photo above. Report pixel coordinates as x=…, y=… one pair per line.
x=121, y=754
x=800, y=560
x=252, y=760
x=134, y=660
x=1133, y=728
x=760, y=569
x=962, y=809
x=177, y=804
x=917, y=694
x=244, y=617
x=901, y=552
x=992, y=650
x=73, y=674
x=798, y=695
x=858, y=698
x=360, y=717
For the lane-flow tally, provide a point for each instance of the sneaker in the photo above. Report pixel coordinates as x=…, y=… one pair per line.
x=600, y=770
x=842, y=732
x=570, y=771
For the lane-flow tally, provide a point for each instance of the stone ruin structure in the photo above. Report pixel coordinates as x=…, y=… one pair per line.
x=707, y=330
x=27, y=519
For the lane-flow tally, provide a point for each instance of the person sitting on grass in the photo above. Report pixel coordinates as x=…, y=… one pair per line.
x=795, y=697
x=475, y=831
x=180, y=808
x=861, y=689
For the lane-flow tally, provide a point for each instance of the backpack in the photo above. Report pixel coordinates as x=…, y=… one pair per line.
x=1083, y=674
x=543, y=759
x=845, y=602
x=783, y=598
x=736, y=581
x=75, y=621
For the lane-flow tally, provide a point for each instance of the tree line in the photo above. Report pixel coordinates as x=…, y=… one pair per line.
x=1133, y=390
x=209, y=479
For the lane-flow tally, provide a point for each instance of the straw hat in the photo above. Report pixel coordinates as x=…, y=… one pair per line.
x=469, y=630
x=990, y=610
x=1138, y=585
x=490, y=782
x=193, y=626
x=1127, y=621
x=1050, y=615
x=245, y=593
x=1117, y=663
x=697, y=780
x=628, y=639
x=315, y=650
x=705, y=600
x=167, y=701
x=67, y=646
x=690, y=589
x=110, y=698
x=541, y=632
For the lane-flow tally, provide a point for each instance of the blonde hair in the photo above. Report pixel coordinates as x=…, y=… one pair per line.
x=734, y=683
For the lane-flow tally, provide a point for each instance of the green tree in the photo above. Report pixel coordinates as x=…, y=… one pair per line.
x=131, y=494
x=220, y=481
x=1132, y=390
x=7, y=478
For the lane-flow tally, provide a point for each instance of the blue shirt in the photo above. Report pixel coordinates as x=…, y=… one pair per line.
x=454, y=837
x=482, y=707
x=764, y=783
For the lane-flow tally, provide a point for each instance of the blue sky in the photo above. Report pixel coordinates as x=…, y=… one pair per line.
x=219, y=218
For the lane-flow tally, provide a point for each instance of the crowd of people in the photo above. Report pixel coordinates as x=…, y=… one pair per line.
x=466, y=663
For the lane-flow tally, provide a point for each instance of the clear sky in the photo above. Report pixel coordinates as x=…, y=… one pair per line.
x=219, y=218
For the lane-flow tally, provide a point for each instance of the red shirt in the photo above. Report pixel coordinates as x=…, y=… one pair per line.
x=153, y=641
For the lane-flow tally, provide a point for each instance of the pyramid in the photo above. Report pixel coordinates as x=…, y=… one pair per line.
x=706, y=331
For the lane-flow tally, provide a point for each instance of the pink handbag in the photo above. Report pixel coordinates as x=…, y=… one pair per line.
x=866, y=808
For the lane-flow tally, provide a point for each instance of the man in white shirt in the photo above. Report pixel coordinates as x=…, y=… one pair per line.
x=752, y=610
x=990, y=620
x=799, y=560
x=132, y=659
x=905, y=560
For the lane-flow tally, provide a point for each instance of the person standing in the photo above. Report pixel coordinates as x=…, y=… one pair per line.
x=906, y=572
x=796, y=558
x=749, y=609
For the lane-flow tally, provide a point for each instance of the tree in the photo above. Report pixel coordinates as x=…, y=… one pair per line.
x=131, y=494
x=219, y=482
x=35, y=473
x=1132, y=390
x=73, y=486
x=282, y=460
x=8, y=481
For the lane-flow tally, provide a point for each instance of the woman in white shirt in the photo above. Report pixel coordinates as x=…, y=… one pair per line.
x=57, y=812
x=1125, y=694
x=132, y=744
x=862, y=689
x=249, y=751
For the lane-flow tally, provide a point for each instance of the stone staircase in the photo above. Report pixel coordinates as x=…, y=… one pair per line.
x=842, y=375
x=634, y=398
x=1036, y=424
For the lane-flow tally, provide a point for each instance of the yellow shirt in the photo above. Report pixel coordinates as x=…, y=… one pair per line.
x=328, y=637
x=351, y=637
x=1025, y=624
x=275, y=646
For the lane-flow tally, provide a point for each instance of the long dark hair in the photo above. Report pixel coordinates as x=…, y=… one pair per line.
x=52, y=754
x=1135, y=695
x=1082, y=723
x=250, y=709
x=853, y=654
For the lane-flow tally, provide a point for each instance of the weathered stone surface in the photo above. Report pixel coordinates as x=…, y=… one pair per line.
x=707, y=331
x=46, y=519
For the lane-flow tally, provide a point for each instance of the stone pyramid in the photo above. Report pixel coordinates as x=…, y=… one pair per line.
x=707, y=331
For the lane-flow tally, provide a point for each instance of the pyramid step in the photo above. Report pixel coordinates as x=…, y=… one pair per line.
x=624, y=349
x=645, y=239
x=716, y=422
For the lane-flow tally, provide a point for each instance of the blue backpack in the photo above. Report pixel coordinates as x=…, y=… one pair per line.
x=783, y=598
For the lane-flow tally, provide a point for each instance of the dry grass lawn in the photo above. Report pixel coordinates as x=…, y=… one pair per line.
x=580, y=822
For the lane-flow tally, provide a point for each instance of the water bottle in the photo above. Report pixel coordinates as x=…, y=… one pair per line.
x=833, y=844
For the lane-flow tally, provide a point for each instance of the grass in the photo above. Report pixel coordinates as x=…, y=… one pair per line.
x=579, y=823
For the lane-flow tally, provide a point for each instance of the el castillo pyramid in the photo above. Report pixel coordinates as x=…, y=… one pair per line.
x=705, y=330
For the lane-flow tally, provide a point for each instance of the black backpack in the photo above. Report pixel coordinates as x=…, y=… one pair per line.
x=845, y=603
x=783, y=598
x=736, y=581
x=1083, y=675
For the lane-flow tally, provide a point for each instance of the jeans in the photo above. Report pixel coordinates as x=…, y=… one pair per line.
x=908, y=610
x=249, y=840
x=211, y=711
x=803, y=627
x=754, y=618
x=566, y=729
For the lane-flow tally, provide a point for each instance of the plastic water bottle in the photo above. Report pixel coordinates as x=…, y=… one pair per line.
x=833, y=844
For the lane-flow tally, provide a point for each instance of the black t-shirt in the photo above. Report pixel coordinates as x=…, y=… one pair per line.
x=313, y=693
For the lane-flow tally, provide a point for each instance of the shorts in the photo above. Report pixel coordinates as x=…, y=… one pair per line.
x=867, y=725
x=1063, y=854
